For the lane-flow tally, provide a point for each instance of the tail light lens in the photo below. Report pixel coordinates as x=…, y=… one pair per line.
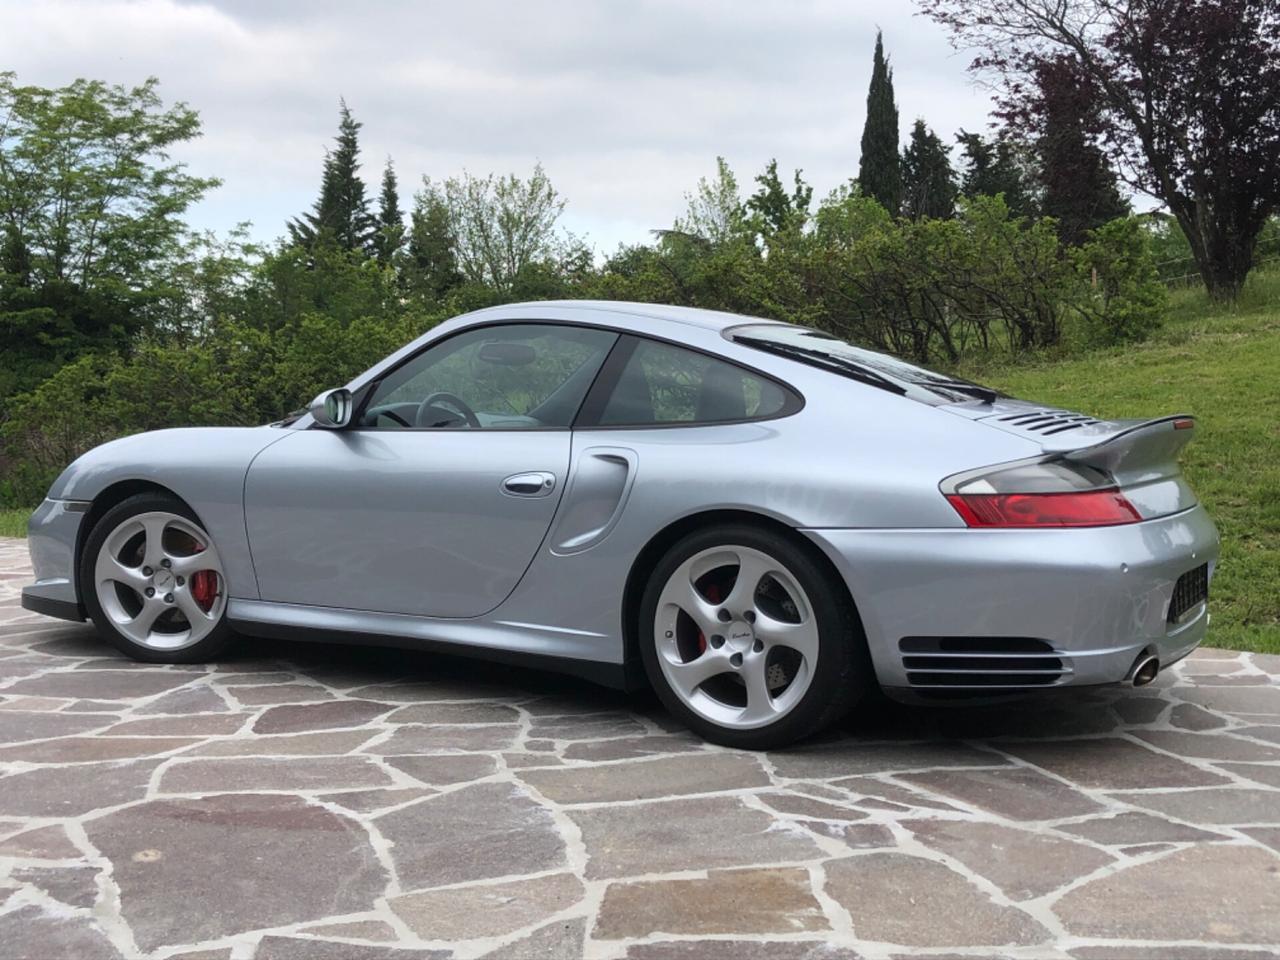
x=1044, y=494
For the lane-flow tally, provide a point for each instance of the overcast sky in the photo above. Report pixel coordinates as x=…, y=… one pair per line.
x=626, y=104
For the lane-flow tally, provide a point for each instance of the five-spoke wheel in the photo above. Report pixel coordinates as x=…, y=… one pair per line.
x=747, y=639
x=153, y=581
x=737, y=638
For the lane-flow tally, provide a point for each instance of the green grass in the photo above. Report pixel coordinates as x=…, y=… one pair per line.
x=13, y=523
x=1221, y=364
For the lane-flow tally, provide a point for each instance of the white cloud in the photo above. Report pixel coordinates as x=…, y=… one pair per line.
x=625, y=104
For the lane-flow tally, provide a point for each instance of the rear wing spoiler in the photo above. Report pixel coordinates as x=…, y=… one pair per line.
x=1130, y=450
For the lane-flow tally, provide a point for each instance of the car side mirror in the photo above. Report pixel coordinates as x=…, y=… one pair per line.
x=332, y=409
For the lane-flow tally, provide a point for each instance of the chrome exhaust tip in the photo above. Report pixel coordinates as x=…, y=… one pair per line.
x=1146, y=671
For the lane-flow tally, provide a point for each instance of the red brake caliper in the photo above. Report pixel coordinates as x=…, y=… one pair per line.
x=712, y=593
x=204, y=585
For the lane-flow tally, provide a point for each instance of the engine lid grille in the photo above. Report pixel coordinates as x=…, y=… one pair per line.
x=1047, y=422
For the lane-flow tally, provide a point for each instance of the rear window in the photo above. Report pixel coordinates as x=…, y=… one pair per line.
x=822, y=350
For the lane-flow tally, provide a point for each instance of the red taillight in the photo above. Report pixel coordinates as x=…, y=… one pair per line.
x=1077, y=508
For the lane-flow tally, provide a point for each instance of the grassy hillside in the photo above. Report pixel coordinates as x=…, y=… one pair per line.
x=1221, y=364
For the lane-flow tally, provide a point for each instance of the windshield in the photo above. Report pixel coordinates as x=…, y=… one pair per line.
x=831, y=353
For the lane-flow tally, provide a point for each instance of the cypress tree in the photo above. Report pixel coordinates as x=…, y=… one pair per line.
x=390, y=236
x=342, y=209
x=928, y=183
x=879, y=173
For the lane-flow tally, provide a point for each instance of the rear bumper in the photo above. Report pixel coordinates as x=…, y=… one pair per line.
x=51, y=537
x=1095, y=598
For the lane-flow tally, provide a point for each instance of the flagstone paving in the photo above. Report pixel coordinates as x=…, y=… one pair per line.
x=306, y=801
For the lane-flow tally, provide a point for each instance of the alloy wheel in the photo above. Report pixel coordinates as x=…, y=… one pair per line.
x=159, y=580
x=736, y=636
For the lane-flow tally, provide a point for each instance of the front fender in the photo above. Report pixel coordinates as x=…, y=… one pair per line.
x=204, y=466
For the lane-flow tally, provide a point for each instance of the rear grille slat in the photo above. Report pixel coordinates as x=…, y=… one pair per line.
x=962, y=663
x=975, y=645
x=1055, y=671
x=975, y=655
x=976, y=680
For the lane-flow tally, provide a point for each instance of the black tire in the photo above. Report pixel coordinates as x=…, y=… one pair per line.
x=207, y=648
x=843, y=673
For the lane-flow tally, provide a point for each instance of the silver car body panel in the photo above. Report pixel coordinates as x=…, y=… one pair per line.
x=409, y=534
x=1099, y=596
x=52, y=539
x=405, y=522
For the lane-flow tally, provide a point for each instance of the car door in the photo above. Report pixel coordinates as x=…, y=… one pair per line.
x=435, y=500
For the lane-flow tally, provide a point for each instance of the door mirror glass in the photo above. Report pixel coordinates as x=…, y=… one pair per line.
x=332, y=409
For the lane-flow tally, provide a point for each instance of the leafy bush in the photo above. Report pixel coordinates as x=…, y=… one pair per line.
x=1125, y=299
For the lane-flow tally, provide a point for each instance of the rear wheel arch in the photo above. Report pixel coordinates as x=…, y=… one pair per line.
x=657, y=546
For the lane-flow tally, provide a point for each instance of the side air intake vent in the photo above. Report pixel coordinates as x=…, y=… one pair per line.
x=982, y=663
x=1048, y=422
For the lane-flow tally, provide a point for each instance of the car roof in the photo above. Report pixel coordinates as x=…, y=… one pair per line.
x=692, y=316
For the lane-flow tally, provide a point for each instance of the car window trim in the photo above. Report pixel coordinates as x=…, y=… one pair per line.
x=602, y=390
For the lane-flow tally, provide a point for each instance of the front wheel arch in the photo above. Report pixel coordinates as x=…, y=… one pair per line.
x=667, y=537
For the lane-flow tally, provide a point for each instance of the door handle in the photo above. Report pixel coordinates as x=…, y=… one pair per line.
x=535, y=484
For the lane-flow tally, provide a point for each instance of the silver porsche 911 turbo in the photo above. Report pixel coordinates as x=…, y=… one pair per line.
x=758, y=519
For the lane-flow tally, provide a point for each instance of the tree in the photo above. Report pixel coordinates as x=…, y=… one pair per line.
x=777, y=210
x=90, y=214
x=390, y=237
x=996, y=167
x=501, y=225
x=928, y=182
x=879, y=174
x=714, y=212
x=431, y=267
x=1080, y=189
x=1188, y=98
x=341, y=212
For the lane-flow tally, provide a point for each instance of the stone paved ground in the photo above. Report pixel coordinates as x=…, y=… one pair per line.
x=325, y=802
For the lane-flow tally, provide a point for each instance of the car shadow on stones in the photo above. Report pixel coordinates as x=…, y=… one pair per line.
x=351, y=666
x=1043, y=714
x=1039, y=715
x=878, y=718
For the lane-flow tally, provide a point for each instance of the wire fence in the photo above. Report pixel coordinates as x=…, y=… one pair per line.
x=1182, y=271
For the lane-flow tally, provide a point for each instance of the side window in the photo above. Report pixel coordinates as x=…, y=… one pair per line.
x=519, y=376
x=665, y=384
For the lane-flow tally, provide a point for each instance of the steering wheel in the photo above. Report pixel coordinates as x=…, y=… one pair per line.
x=441, y=396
